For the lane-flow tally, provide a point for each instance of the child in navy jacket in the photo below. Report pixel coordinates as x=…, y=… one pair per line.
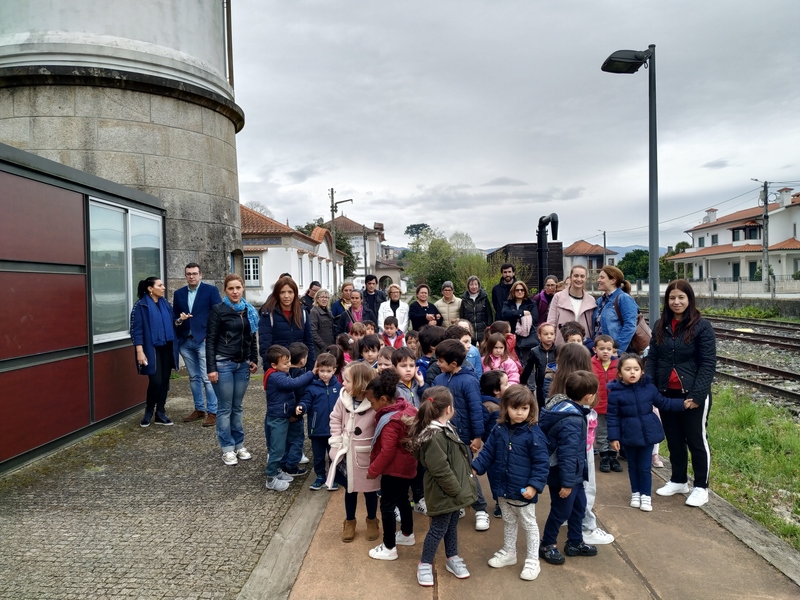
x=632, y=422
x=317, y=402
x=518, y=463
x=281, y=405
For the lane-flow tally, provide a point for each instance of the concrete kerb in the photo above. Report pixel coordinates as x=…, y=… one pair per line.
x=768, y=546
x=277, y=569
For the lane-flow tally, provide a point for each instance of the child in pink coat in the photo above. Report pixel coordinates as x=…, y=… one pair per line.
x=352, y=429
x=496, y=357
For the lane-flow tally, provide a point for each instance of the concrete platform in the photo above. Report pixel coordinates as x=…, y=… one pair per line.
x=675, y=552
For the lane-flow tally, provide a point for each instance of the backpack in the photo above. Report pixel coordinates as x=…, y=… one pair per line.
x=642, y=335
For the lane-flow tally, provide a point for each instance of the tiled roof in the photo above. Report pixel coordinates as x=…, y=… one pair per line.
x=319, y=233
x=254, y=223
x=583, y=248
x=790, y=244
x=713, y=250
x=347, y=225
x=740, y=215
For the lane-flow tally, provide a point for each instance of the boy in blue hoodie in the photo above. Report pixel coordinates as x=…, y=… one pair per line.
x=281, y=405
x=317, y=402
x=563, y=421
x=468, y=420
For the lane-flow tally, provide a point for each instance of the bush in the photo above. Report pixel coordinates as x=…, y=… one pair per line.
x=748, y=312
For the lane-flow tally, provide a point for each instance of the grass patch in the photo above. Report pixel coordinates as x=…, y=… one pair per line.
x=748, y=312
x=755, y=461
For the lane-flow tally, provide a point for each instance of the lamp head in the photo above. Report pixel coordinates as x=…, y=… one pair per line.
x=625, y=61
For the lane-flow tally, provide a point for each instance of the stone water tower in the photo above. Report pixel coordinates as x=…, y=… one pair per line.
x=138, y=92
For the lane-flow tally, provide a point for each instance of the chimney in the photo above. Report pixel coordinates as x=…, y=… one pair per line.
x=785, y=196
x=711, y=214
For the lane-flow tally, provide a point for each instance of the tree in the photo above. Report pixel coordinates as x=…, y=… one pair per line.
x=415, y=230
x=681, y=247
x=431, y=259
x=635, y=264
x=462, y=243
x=342, y=244
x=260, y=207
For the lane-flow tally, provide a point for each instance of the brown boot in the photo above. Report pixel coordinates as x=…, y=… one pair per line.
x=349, y=531
x=210, y=420
x=195, y=415
x=372, y=529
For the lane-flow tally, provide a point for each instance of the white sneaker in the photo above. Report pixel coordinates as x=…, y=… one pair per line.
x=647, y=504
x=502, y=558
x=481, y=520
x=284, y=476
x=671, y=488
x=462, y=513
x=381, y=552
x=243, y=454
x=636, y=500
x=698, y=497
x=229, y=458
x=397, y=514
x=305, y=460
x=531, y=570
x=597, y=537
x=421, y=507
x=277, y=485
x=404, y=540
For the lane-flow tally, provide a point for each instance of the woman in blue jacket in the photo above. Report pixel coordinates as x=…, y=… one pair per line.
x=616, y=310
x=153, y=335
x=284, y=321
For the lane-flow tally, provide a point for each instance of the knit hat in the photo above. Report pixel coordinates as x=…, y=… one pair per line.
x=447, y=284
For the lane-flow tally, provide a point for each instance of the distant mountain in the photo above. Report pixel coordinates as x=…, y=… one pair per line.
x=623, y=250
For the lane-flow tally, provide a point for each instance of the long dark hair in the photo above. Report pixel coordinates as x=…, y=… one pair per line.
x=569, y=358
x=274, y=301
x=141, y=290
x=384, y=385
x=690, y=317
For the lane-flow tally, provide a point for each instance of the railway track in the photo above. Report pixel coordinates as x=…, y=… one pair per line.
x=785, y=384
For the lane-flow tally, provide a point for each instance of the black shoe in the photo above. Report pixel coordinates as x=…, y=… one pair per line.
x=551, y=555
x=294, y=471
x=498, y=513
x=614, y=463
x=582, y=549
x=162, y=419
x=605, y=464
x=145, y=422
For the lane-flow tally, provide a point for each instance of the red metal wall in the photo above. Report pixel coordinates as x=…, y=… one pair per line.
x=117, y=383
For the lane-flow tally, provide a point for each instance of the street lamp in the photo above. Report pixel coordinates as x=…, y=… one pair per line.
x=541, y=244
x=334, y=208
x=629, y=61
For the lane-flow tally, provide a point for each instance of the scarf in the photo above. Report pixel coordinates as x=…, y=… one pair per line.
x=161, y=326
x=252, y=315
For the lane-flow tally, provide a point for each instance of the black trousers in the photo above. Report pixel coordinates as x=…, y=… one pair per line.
x=686, y=434
x=158, y=386
x=394, y=492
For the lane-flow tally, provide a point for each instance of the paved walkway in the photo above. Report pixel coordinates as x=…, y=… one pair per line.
x=140, y=513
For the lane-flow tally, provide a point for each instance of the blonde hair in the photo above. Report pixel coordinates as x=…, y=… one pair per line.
x=360, y=375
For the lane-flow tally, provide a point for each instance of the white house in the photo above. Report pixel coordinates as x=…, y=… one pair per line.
x=271, y=248
x=587, y=255
x=730, y=246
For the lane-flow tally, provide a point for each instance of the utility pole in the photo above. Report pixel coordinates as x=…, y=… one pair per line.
x=604, y=249
x=334, y=208
x=364, y=231
x=764, y=198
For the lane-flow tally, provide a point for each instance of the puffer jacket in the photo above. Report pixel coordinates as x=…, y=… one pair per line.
x=542, y=302
x=498, y=364
x=516, y=457
x=695, y=362
x=389, y=456
x=631, y=420
x=537, y=363
x=564, y=424
x=512, y=313
x=449, y=482
x=605, y=376
x=561, y=312
x=491, y=414
x=321, y=328
x=318, y=402
x=468, y=420
x=273, y=328
x=281, y=388
x=478, y=312
x=228, y=336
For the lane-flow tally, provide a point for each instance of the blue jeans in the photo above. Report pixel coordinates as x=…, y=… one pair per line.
x=194, y=355
x=276, y=430
x=640, y=459
x=295, y=437
x=230, y=388
x=571, y=509
x=320, y=447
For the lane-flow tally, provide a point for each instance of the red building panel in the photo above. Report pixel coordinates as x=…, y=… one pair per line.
x=117, y=383
x=43, y=403
x=40, y=222
x=42, y=312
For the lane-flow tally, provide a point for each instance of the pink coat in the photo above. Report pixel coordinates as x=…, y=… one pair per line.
x=350, y=447
x=507, y=365
x=561, y=312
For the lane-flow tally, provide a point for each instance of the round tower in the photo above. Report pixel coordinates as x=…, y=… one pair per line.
x=139, y=93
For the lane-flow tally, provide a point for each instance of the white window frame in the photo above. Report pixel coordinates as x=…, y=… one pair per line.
x=247, y=265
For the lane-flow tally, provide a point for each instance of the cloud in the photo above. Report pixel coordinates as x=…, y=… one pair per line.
x=720, y=163
x=503, y=181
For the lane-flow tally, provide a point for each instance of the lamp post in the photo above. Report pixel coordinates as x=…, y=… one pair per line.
x=629, y=61
x=334, y=208
x=541, y=244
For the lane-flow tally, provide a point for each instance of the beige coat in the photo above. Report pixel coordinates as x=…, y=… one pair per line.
x=449, y=310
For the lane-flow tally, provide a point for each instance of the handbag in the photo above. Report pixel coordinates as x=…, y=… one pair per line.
x=642, y=335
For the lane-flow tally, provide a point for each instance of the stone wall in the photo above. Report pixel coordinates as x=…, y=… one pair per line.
x=181, y=152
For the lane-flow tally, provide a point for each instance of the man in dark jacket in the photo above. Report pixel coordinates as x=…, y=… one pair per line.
x=501, y=290
x=196, y=299
x=373, y=297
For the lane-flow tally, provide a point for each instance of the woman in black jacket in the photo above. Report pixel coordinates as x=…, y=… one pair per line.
x=231, y=356
x=476, y=307
x=517, y=306
x=681, y=362
x=321, y=322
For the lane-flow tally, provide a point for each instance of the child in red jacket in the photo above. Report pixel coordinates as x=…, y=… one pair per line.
x=392, y=462
x=604, y=365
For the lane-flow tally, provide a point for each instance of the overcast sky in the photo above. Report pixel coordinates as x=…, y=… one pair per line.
x=482, y=116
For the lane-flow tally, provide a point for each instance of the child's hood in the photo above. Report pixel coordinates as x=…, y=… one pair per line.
x=347, y=400
x=560, y=407
x=400, y=405
x=333, y=385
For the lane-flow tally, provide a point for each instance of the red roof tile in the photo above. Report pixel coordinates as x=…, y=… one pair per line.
x=254, y=223
x=739, y=215
x=713, y=250
x=583, y=248
x=790, y=244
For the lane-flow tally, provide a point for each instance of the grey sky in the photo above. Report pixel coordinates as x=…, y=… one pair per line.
x=482, y=116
